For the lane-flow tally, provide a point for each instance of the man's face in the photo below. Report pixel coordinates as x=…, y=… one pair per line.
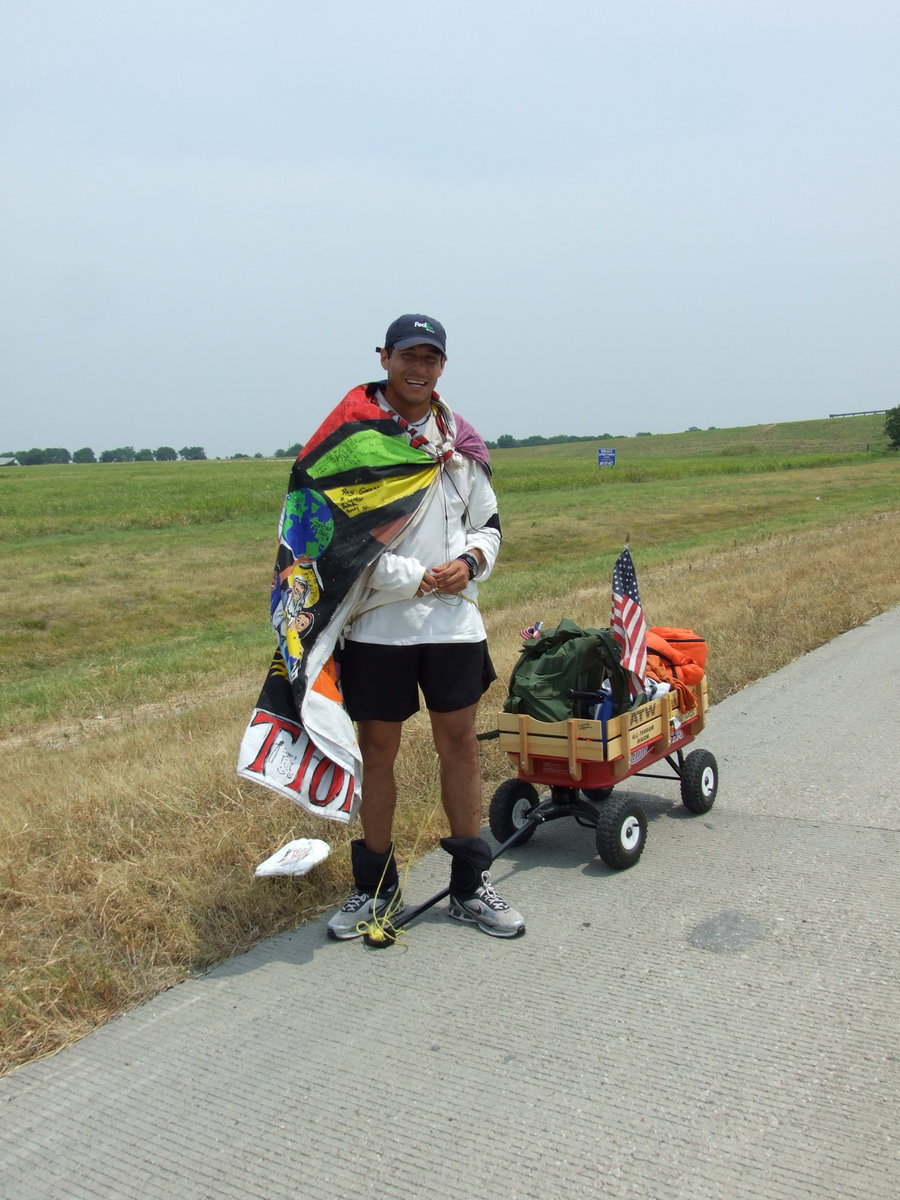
x=411, y=378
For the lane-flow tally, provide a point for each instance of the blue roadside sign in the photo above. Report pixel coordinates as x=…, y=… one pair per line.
x=606, y=458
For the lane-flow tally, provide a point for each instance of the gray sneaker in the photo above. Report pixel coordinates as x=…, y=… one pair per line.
x=488, y=910
x=357, y=911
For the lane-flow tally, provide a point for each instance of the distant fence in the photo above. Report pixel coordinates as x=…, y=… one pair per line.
x=869, y=412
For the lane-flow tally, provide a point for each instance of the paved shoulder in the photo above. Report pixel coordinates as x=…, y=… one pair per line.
x=716, y=1023
x=821, y=738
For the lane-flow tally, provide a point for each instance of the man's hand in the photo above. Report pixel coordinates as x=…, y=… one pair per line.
x=428, y=584
x=451, y=577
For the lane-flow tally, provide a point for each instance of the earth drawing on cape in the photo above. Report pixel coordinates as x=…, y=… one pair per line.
x=308, y=524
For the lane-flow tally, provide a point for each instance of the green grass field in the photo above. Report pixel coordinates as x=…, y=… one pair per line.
x=134, y=638
x=121, y=583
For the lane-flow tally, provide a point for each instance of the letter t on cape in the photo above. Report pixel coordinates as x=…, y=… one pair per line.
x=355, y=489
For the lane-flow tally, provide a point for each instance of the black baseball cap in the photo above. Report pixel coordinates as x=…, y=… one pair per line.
x=415, y=329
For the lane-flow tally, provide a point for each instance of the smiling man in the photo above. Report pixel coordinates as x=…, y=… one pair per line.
x=413, y=371
x=417, y=628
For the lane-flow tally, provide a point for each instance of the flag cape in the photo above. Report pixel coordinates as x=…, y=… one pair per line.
x=357, y=487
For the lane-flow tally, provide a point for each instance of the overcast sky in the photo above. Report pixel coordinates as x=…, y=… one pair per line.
x=629, y=217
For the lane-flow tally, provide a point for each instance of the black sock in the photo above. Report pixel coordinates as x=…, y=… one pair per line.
x=372, y=872
x=471, y=857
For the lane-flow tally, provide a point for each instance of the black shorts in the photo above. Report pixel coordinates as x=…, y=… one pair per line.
x=381, y=683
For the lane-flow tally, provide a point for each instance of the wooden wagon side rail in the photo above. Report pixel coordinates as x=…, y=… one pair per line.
x=579, y=740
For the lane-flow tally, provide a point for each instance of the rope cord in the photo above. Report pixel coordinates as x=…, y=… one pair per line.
x=380, y=929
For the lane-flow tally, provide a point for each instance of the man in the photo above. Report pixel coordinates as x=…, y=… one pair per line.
x=417, y=626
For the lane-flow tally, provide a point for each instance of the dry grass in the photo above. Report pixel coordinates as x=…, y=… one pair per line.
x=763, y=603
x=126, y=860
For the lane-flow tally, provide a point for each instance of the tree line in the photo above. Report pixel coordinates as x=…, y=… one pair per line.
x=57, y=454
x=506, y=441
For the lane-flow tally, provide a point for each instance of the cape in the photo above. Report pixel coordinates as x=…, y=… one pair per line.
x=358, y=486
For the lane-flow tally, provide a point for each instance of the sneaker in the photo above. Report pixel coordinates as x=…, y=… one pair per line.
x=488, y=910
x=360, y=908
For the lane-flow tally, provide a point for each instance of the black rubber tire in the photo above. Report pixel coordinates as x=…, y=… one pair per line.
x=621, y=833
x=699, y=781
x=510, y=806
x=597, y=794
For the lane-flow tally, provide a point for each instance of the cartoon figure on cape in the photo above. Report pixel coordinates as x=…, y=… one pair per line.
x=307, y=528
x=303, y=592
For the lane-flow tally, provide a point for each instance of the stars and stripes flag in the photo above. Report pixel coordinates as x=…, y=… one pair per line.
x=627, y=621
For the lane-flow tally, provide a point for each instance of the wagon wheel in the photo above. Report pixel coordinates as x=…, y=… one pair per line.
x=510, y=806
x=597, y=794
x=699, y=781
x=621, y=833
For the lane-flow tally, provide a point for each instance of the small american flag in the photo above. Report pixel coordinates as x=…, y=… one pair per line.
x=627, y=621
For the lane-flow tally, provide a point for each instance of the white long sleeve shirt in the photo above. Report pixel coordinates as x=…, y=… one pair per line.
x=454, y=522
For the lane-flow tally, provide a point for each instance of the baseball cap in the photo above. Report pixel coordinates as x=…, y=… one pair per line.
x=415, y=329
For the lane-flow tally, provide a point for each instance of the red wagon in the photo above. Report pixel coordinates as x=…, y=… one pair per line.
x=582, y=760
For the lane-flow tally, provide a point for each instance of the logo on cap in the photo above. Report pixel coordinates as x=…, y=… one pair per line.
x=413, y=329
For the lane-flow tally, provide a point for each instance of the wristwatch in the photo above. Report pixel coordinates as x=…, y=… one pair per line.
x=471, y=562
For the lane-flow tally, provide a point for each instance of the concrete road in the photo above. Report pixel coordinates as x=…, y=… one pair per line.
x=720, y=1021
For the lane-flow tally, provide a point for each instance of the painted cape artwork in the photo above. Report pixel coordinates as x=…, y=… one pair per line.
x=355, y=490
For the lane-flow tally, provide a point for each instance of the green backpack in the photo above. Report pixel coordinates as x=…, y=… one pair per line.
x=564, y=658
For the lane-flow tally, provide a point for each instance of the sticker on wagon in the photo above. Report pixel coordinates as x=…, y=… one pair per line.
x=636, y=755
x=648, y=733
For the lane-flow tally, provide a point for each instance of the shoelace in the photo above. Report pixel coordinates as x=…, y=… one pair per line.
x=489, y=895
x=357, y=901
